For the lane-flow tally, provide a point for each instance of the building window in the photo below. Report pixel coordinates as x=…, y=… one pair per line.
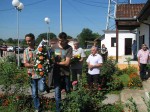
x=141, y=40
x=113, y=42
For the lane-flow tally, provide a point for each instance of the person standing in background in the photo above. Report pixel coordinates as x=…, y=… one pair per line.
x=94, y=62
x=143, y=57
x=104, y=52
x=1, y=51
x=134, y=49
x=76, y=67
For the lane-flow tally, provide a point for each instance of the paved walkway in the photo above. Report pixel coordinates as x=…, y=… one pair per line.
x=137, y=95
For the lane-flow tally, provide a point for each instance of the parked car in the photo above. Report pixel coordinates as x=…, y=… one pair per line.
x=21, y=49
x=10, y=48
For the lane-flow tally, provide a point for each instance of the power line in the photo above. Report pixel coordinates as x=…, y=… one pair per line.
x=33, y=3
x=88, y=4
x=92, y=1
x=78, y=11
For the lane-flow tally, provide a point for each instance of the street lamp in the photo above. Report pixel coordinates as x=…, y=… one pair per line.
x=47, y=20
x=18, y=6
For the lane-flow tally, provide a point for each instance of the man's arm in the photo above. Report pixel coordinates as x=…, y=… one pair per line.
x=66, y=62
x=68, y=58
x=97, y=65
x=26, y=63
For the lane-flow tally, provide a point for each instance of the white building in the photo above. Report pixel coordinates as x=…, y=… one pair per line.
x=125, y=42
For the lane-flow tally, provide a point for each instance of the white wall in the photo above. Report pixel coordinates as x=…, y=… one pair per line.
x=121, y=42
x=144, y=30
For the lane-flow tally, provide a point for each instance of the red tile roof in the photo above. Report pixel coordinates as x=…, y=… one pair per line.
x=128, y=10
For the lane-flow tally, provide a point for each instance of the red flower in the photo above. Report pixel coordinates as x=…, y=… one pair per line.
x=74, y=83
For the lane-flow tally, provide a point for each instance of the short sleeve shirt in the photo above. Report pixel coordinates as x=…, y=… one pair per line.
x=93, y=60
x=80, y=52
x=28, y=57
x=60, y=55
x=143, y=56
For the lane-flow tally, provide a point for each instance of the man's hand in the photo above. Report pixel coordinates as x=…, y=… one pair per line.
x=90, y=66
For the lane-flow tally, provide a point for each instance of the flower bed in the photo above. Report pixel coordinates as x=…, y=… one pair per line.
x=19, y=103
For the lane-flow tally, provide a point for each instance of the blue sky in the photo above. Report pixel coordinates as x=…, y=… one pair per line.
x=77, y=14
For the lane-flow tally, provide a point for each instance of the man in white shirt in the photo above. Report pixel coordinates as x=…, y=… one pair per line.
x=94, y=62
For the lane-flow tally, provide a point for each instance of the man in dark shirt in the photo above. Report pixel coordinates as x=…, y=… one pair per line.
x=61, y=70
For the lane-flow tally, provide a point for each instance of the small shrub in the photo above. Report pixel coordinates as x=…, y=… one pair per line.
x=111, y=108
x=11, y=58
x=117, y=84
x=134, y=81
x=83, y=99
x=107, y=71
x=129, y=70
x=124, y=79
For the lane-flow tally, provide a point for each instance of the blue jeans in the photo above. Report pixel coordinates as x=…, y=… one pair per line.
x=57, y=85
x=37, y=84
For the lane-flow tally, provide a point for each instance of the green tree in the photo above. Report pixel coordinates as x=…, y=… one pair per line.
x=15, y=41
x=1, y=41
x=23, y=42
x=10, y=41
x=96, y=35
x=44, y=35
x=86, y=35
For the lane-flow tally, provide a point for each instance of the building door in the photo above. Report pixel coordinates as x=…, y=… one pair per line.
x=128, y=46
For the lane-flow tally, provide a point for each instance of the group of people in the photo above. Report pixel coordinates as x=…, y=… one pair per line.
x=62, y=66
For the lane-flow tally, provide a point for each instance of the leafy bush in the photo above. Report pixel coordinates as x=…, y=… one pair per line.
x=23, y=103
x=112, y=108
x=134, y=81
x=12, y=77
x=11, y=58
x=83, y=99
x=129, y=70
x=106, y=75
x=117, y=83
x=124, y=79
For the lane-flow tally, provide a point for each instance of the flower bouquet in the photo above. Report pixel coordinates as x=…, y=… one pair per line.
x=75, y=59
x=41, y=61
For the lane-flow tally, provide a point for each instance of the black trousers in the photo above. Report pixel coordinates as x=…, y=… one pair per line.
x=143, y=71
x=93, y=79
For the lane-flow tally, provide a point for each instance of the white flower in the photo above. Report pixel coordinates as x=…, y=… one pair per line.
x=37, y=61
x=40, y=70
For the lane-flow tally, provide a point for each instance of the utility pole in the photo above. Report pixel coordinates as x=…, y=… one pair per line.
x=61, y=27
x=111, y=15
